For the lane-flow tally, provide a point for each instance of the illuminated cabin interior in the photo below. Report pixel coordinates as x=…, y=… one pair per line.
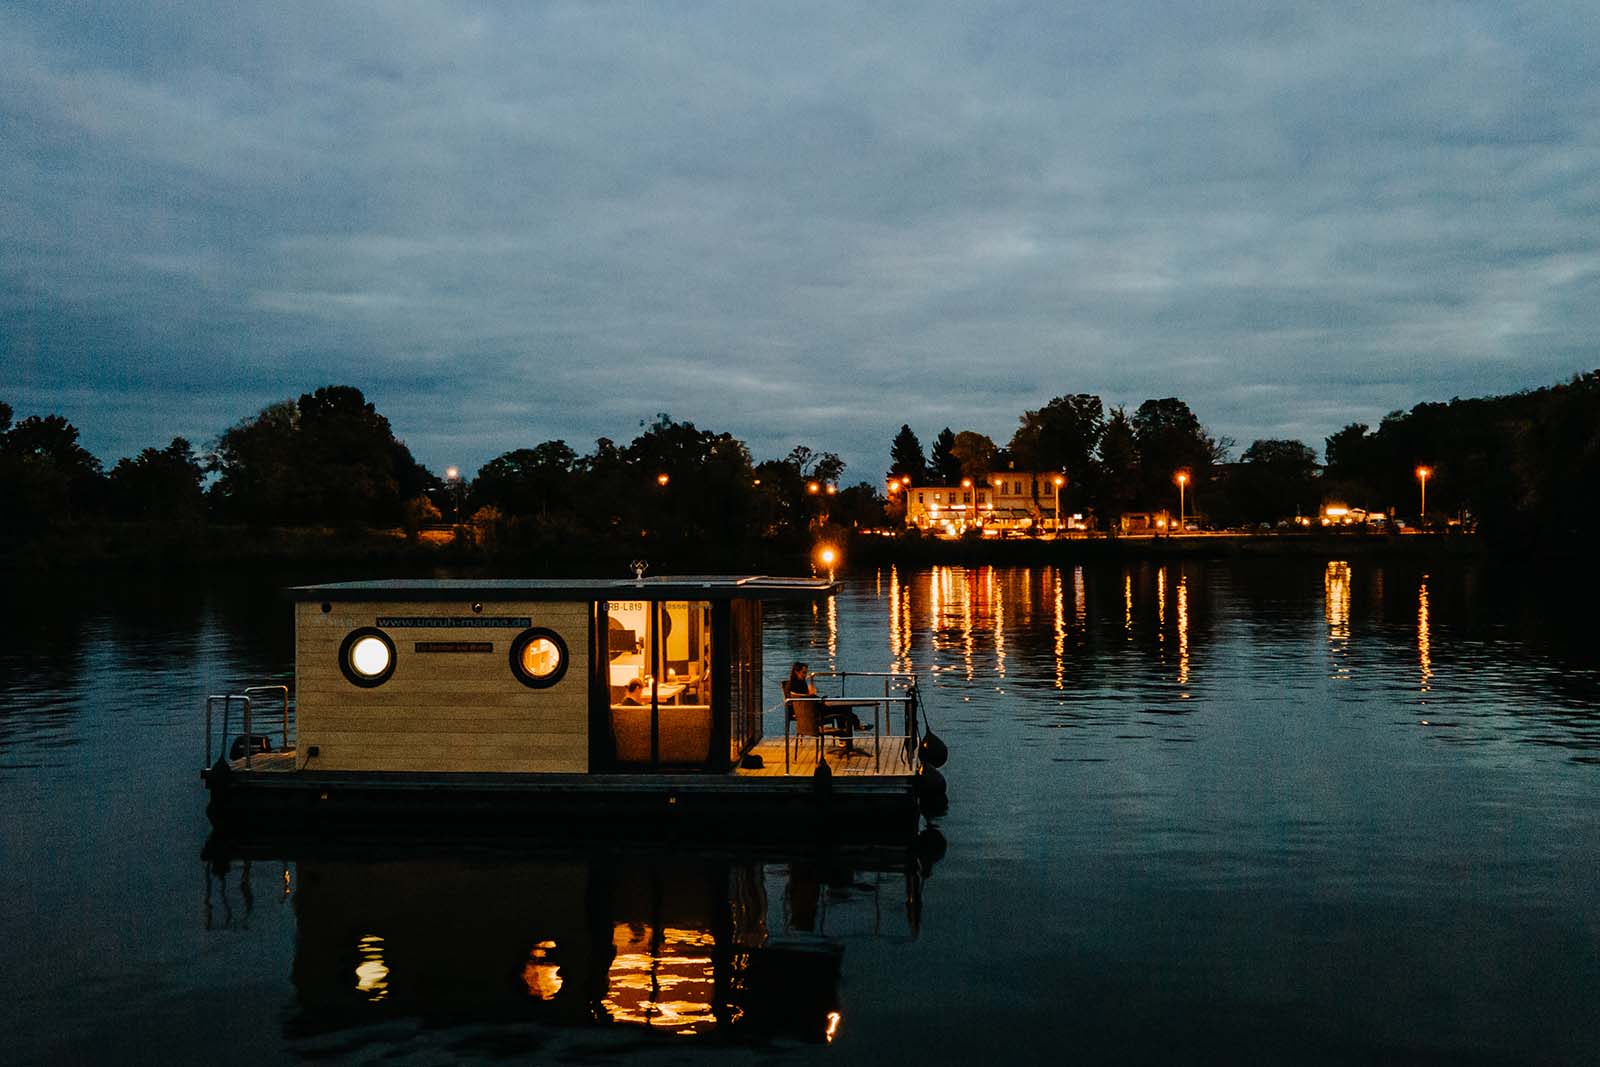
x=523, y=676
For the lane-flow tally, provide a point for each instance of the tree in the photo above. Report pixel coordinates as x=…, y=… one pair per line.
x=328, y=457
x=1274, y=478
x=1170, y=439
x=944, y=466
x=974, y=453
x=1063, y=436
x=905, y=457
x=1117, y=483
x=45, y=475
x=529, y=482
x=159, y=484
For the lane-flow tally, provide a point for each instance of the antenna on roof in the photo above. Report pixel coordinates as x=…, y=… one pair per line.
x=639, y=567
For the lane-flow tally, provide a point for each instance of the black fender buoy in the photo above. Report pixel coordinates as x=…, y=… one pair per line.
x=933, y=751
x=822, y=780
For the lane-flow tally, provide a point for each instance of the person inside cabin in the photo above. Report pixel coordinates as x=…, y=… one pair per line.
x=634, y=694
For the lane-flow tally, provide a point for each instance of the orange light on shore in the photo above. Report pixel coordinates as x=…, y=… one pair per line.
x=662, y=479
x=1423, y=474
x=814, y=488
x=452, y=473
x=828, y=556
x=966, y=483
x=832, y=489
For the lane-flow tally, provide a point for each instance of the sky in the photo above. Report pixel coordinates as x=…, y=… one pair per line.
x=796, y=223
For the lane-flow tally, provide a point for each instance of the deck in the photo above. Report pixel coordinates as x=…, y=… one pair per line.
x=865, y=793
x=864, y=762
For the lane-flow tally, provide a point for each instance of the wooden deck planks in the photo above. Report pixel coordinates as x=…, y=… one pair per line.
x=803, y=762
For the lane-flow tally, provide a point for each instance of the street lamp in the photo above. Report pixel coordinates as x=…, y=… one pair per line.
x=1183, y=480
x=662, y=479
x=1423, y=474
x=1058, y=481
x=452, y=477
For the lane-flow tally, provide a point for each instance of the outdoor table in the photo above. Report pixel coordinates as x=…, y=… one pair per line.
x=849, y=704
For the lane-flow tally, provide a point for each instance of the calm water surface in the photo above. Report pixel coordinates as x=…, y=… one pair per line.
x=1307, y=812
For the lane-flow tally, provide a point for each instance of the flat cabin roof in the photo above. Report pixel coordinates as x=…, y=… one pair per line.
x=666, y=587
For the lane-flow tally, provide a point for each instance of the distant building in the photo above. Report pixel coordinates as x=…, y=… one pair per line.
x=1004, y=502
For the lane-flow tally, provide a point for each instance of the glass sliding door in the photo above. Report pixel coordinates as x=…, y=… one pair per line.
x=659, y=673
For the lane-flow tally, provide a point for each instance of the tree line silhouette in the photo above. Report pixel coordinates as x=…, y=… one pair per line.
x=1524, y=467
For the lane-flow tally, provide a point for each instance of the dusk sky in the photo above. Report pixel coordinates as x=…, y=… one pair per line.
x=794, y=223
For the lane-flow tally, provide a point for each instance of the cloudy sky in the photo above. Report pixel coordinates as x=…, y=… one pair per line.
x=792, y=222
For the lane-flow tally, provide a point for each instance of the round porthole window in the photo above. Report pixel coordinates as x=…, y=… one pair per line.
x=366, y=657
x=538, y=657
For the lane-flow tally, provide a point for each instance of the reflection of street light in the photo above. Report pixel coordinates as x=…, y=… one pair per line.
x=1423, y=474
x=1183, y=480
x=1058, y=481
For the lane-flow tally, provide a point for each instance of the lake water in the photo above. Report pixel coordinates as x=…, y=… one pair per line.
x=1331, y=811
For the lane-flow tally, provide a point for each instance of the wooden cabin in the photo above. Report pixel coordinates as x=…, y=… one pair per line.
x=567, y=677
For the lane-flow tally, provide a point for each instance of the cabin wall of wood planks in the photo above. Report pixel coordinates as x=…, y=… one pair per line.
x=440, y=711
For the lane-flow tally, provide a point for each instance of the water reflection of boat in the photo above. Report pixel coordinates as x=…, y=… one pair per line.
x=555, y=702
x=678, y=943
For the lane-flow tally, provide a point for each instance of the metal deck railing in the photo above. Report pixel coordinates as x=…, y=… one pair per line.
x=246, y=703
x=900, y=695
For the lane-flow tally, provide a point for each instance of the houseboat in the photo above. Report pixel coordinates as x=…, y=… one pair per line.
x=637, y=702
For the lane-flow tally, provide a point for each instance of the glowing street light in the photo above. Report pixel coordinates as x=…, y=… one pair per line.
x=814, y=488
x=662, y=478
x=1423, y=474
x=452, y=473
x=1183, y=480
x=1058, y=481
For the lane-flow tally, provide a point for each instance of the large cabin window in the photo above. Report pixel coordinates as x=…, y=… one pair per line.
x=659, y=667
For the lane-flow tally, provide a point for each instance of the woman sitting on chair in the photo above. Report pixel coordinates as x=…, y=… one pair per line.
x=800, y=687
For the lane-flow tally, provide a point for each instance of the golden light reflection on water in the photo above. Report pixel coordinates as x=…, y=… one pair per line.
x=541, y=974
x=1183, y=630
x=1127, y=605
x=1061, y=636
x=1336, y=609
x=1080, y=608
x=833, y=633
x=998, y=599
x=968, y=644
x=1424, y=638
x=372, y=974
x=662, y=978
x=1161, y=604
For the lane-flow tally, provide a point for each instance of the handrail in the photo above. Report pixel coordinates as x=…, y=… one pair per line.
x=227, y=700
x=246, y=703
x=283, y=695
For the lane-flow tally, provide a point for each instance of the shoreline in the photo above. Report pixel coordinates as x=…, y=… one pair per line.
x=123, y=547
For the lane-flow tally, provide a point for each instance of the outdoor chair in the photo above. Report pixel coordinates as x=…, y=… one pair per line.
x=804, y=715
